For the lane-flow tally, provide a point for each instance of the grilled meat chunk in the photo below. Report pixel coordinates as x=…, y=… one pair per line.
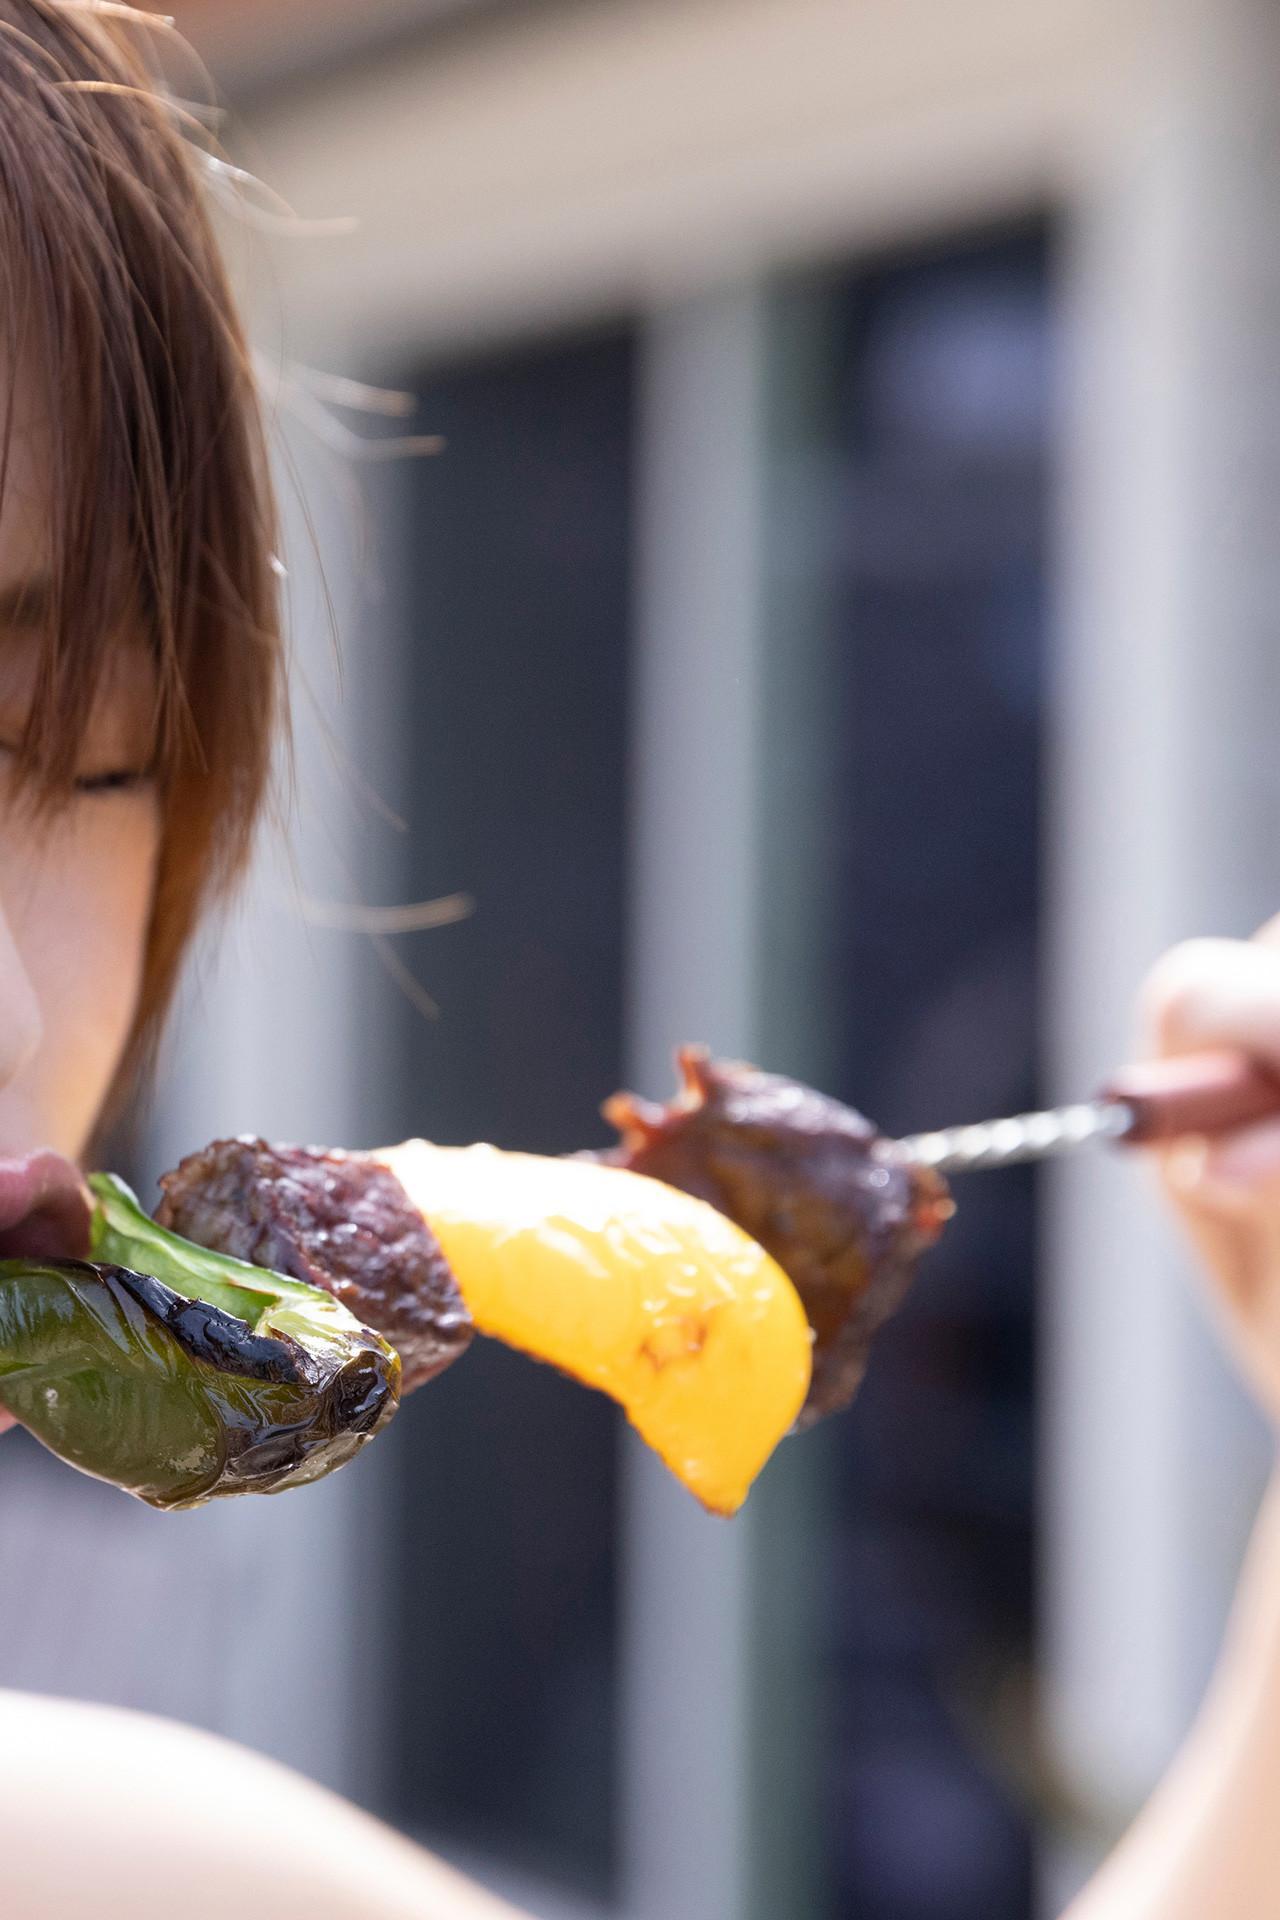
x=340, y=1221
x=808, y=1179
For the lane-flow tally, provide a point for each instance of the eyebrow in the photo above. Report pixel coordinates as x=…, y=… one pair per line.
x=25, y=604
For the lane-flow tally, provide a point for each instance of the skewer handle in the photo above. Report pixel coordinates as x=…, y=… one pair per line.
x=1207, y=1093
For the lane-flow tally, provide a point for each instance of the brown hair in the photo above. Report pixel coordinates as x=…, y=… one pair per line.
x=113, y=293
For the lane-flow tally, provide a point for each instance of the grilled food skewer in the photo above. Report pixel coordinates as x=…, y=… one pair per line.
x=728, y=1292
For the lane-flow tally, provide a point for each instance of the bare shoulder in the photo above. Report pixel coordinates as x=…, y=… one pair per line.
x=106, y=1813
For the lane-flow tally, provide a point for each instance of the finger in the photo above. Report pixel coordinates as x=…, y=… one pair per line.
x=1231, y=1174
x=1216, y=993
x=1242, y=1167
x=1227, y=1191
x=1227, y=1227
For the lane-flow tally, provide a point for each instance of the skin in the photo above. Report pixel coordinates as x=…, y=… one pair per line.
x=76, y=1846
x=66, y=1003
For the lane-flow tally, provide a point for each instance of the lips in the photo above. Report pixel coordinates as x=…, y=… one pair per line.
x=45, y=1213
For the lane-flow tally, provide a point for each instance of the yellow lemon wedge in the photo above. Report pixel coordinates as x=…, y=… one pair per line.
x=632, y=1287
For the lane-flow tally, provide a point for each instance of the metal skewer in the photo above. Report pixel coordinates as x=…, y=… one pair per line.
x=1161, y=1100
x=1023, y=1136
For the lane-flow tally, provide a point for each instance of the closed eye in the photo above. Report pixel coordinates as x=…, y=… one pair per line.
x=110, y=780
x=118, y=780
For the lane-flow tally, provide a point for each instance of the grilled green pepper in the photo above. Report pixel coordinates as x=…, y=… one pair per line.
x=180, y=1374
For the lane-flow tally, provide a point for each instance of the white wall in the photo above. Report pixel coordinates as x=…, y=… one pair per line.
x=567, y=159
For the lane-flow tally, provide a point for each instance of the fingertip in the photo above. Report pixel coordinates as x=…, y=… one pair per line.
x=1212, y=993
x=1172, y=994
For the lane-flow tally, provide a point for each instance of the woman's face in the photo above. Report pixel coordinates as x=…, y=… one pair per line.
x=76, y=886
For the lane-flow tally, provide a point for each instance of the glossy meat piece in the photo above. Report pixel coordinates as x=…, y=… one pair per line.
x=809, y=1180
x=338, y=1221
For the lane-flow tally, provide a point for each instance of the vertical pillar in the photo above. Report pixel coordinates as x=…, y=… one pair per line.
x=693, y=976
x=720, y=1753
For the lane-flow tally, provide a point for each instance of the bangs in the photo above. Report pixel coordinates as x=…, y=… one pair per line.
x=114, y=334
x=120, y=343
x=82, y=611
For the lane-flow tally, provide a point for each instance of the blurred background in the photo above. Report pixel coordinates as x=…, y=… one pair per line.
x=841, y=627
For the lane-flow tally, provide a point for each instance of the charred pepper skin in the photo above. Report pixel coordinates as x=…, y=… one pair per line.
x=810, y=1180
x=181, y=1375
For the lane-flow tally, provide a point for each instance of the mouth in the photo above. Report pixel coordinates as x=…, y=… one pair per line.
x=45, y=1212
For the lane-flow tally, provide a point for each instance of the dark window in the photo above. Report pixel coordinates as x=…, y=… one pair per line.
x=504, y=1643
x=939, y=422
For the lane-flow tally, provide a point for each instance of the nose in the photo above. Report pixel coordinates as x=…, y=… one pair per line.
x=21, y=1022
